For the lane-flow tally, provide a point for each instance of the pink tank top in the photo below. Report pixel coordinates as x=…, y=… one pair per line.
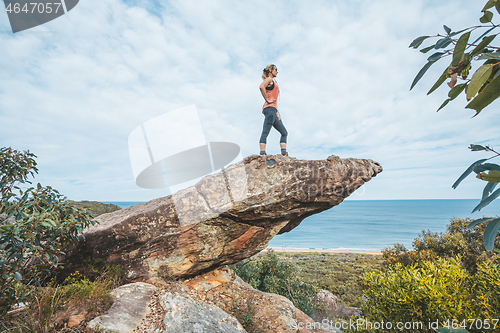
x=272, y=92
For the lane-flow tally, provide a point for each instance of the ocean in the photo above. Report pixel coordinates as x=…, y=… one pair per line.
x=372, y=225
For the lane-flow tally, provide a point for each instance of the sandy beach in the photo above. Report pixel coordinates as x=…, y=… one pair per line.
x=325, y=251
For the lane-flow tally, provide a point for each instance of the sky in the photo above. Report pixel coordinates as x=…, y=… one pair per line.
x=73, y=89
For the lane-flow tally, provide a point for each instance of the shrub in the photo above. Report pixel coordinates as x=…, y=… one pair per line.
x=271, y=274
x=458, y=240
x=49, y=307
x=433, y=290
x=38, y=316
x=487, y=290
x=35, y=225
x=438, y=290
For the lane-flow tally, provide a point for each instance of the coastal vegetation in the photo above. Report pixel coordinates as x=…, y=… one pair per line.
x=446, y=280
x=458, y=240
x=338, y=273
x=94, y=207
x=299, y=275
x=83, y=295
x=447, y=277
x=267, y=272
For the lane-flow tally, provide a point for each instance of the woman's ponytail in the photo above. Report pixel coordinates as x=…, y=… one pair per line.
x=267, y=70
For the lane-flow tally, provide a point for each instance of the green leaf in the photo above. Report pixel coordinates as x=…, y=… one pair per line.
x=427, y=49
x=492, y=176
x=457, y=32
x=51, y=222
x=421, y=73
x=488, y=189
x=448, y=30
x=17, y=276
x=486, y=17
x=28, y=235
x=460, y=48
x=6, y=227
x=488, y=5
x=493, y=55
x=486, y=167
x=418, y=41
x=497, y=7
x=45, y=224
x=440, y=81
x=486, y=201
x=486, y=96
x=10, y=209
x=490, y=233
x=443, y=42
x=472, y=224
x=484, y=34
x=478, y=49
x=456, y=91
x=444, y=104
x=474, y=147
x=435, y=56
x=478, y=79
x=467, y=172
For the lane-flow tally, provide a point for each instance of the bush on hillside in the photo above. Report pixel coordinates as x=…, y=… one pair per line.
x=271, y=274
x=95, y=208
x=457, y=240
x=435, y=290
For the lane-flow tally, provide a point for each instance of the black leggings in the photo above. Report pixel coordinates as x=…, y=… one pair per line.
x=272, y=120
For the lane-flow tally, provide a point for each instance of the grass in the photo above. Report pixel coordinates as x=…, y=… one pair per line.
x=49, y=307
x=338, y=273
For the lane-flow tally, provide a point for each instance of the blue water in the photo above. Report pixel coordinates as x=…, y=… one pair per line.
x=374, y=224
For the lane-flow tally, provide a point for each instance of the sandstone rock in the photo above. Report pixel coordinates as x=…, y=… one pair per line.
x=223, y=219
x=183, y=314
x=346, y=312
x=329, y=305
x=260, y=311
x=130, y=306
x=75, y=320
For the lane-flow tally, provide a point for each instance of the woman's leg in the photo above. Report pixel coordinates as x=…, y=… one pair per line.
x=266, y=128
x=281, y=128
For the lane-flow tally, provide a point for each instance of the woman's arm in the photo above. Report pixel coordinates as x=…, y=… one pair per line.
x=262, y=88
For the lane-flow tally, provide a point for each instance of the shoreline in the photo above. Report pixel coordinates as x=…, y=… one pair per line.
x=324, y=251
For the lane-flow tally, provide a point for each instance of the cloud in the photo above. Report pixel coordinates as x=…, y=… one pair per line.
x=75, y=92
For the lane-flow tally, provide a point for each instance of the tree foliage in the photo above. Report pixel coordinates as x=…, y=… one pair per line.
x=270, y=274
x=457, y=240
x=435, y=290
x=35, y=225
x=480, y=89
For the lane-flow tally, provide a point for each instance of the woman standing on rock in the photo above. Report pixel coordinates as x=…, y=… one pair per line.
x=270, y=91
